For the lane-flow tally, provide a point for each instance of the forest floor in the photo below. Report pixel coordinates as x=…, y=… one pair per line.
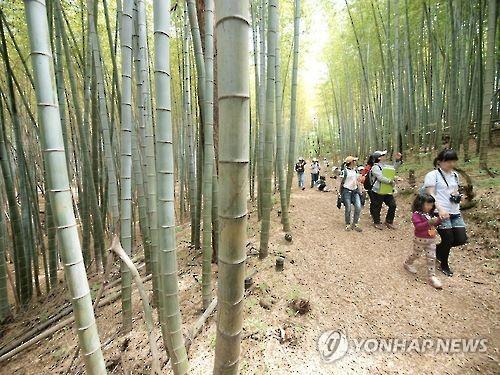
x=353, y=282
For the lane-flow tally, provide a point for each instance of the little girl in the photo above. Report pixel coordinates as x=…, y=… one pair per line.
x=425, y=236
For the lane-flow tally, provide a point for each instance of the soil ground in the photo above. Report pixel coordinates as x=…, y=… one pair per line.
x=354, y=282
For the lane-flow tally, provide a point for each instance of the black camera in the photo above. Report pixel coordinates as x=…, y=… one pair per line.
x=456, y=198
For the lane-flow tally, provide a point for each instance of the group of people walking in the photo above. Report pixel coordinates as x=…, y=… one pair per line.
x=300, y=168
x=435, y=210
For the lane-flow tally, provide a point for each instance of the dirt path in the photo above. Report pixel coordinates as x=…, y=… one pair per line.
x=355, y=282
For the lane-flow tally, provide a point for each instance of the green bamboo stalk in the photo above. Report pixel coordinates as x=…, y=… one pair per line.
x=103, y=117
x=5, y=311
x=488, y=86
x=279, y=141
x=24, y=254
x=126, y=159
x=269, y=128
x=208, y=159
x=232, y=34
x=396, y=145
x=188, y=122
x=254, y=131
x=51, y=242
x=293, y=102
x=452, y=99
x=15, y=217
x=201, y=77
x=412, y=125
x=82, y=123
x=261, y=100
x=145, y=100
x=53, y=148
x=170, y=316
x=139, y=151
x=115, y=82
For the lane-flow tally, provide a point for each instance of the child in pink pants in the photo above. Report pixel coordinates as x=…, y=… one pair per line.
x=425, y=237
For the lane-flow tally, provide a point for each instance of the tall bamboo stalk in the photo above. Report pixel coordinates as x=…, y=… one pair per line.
x=269, y=128
x=488, y=86
x=201, y=77
x=126, y=159
x=208, y=157
x=58, y=184
x=188, y=123
x=170, y=316
x=279, y=142
x=293, y=102
x=232, y=33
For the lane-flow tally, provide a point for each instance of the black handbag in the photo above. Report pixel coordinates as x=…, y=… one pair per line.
x=339, y=201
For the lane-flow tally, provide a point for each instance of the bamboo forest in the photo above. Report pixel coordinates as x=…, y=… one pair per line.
x=248, y=186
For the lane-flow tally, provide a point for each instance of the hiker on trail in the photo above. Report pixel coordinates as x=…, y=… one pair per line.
x=326, y=163
x=350, y=192
x=442, y=183
x=425, y=222
x=322, y=184
x=300, y=168
x=315, y=168
x=382, y=189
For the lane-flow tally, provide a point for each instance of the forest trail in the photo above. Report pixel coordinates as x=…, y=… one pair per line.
x=355, y=282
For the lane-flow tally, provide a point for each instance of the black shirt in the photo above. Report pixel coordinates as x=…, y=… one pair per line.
x=300, y=166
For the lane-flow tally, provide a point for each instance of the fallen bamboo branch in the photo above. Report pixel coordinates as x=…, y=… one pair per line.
x=28, y=335
x=116, y=247
x=54, y=329
x=198, y=325
x=65, y=311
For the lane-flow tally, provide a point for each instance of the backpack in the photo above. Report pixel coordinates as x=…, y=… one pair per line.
x=369, y=180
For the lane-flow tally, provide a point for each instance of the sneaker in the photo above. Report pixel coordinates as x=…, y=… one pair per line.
x=357, y=228
x=379, y=226
x=391, y=226
x=303, y=188
x=435, y=282
x=348, y=228
x=410, y=268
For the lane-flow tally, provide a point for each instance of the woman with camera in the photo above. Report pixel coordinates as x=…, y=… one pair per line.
x=442, y=183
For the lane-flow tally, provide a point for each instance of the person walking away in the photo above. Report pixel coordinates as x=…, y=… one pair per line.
x=315, y=168
x=442, y=183
x=425, y=224
x=326, y=163
x=300, y=168
x=382, y=191
x=350, y=192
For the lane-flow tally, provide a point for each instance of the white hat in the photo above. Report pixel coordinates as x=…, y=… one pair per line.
x=378, y=154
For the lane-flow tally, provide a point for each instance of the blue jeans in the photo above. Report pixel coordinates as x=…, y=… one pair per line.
x=314, y=178
x=454, y=221
x=301, y=178
x=349, y=198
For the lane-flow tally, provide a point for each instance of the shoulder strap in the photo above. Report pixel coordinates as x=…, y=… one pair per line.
x=444, y=178
x=371, y=174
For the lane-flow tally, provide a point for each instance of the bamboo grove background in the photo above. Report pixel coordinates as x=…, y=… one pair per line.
x=159, y=119
x=410, y=76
